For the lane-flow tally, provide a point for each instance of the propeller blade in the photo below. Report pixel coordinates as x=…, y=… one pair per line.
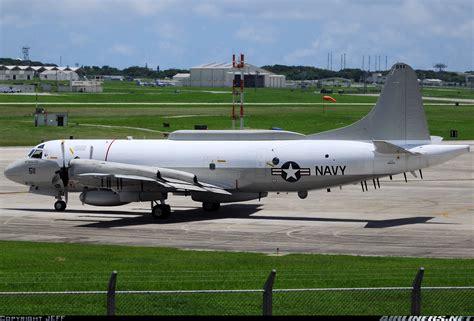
x=64, y=172
x=63, y=154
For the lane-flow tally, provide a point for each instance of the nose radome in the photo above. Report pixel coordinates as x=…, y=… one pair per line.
x=12, y=172
x=8, y=172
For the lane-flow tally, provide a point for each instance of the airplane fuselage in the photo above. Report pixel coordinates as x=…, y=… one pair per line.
x=252, y=166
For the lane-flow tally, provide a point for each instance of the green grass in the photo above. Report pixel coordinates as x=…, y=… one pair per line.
x=16, y=121
x=447, y=92
x=27, y=266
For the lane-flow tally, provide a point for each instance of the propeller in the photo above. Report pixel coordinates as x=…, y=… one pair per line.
x=64, y=172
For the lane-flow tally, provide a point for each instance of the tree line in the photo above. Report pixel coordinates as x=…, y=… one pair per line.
x=313, y=73
x=291, y=72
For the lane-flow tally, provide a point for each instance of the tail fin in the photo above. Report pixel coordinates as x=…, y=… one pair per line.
x=398, y=114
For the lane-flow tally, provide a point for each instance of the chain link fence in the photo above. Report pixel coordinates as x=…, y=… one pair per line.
x=414, y=300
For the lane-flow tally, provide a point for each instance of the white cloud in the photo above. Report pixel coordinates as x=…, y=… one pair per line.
x=208, y=10
x=149, y=7
x=122, y=49
x=257, y=34
x=78, y=39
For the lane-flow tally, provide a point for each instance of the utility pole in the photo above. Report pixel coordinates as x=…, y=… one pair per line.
x=331, y=60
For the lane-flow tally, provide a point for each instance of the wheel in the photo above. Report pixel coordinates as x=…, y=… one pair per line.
x=210, y=206
x=161, y=211
x=60, y=206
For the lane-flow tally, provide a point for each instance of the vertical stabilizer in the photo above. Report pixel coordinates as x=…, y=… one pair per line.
x=398, y=114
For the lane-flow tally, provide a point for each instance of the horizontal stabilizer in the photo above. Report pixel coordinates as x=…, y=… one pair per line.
x=436, y=139
x=384, y=147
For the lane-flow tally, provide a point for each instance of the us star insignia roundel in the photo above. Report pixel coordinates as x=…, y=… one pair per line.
x=291, y=172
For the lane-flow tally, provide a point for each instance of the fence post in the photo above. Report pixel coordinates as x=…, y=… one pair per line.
x=416, y=293
x=268, y=294
x=111, y=294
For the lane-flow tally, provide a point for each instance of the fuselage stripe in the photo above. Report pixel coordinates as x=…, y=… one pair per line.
x=107, y=154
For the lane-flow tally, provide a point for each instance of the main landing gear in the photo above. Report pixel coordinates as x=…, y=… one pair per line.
x=160, y=211
x=60, y=206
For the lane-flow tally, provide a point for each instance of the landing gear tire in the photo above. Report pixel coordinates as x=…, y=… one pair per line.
x=210, y=207
x=161, y=211
x=60, y=206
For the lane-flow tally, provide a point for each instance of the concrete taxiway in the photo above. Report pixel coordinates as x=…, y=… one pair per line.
x=423, y=218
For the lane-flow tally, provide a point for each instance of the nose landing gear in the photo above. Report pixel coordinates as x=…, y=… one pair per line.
x=160, y=211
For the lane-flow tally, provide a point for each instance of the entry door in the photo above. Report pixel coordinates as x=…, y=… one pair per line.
x=260, y=168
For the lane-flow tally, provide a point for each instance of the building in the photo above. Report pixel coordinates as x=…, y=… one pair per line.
x=376, y=78
x=112, y=77
x=88, y=86
x=28, y=72
x=43, y=118
x=182, y=79
x=470, y=80
x=16, y=72
x=222, y=74
x=432, y=82
x=59, y=75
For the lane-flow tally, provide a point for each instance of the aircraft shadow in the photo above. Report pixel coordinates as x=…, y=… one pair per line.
x=183, y=216
x=235, y=211
x=370, y=223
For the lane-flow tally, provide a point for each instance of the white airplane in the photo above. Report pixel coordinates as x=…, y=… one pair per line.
x=221, y=166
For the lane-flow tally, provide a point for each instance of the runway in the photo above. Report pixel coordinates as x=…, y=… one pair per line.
x=422, y=218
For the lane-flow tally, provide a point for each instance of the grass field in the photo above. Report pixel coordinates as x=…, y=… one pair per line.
x=29, y=266
x=146, y=109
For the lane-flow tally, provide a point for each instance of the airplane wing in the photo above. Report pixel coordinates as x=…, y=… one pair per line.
x=93, y=173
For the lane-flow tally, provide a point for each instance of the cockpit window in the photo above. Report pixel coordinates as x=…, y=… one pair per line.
x=37, y=154
x=40, y=146
x=31, y=153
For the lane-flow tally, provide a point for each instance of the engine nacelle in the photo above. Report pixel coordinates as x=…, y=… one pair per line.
x=102, y=197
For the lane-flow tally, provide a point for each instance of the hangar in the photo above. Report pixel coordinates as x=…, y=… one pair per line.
x=44, y=72
x=58, y=74
x=16, y=72
x=221, y=75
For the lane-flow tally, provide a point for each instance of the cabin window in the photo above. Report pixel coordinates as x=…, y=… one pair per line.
x=275, y=160
x=212, y=166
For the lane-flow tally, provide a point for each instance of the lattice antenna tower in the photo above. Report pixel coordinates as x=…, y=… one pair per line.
x=26, y=52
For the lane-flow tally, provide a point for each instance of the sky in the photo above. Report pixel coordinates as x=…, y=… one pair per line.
x=186, y=33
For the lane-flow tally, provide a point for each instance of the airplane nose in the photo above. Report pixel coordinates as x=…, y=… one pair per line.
x=9, y=171
x=12, y=172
